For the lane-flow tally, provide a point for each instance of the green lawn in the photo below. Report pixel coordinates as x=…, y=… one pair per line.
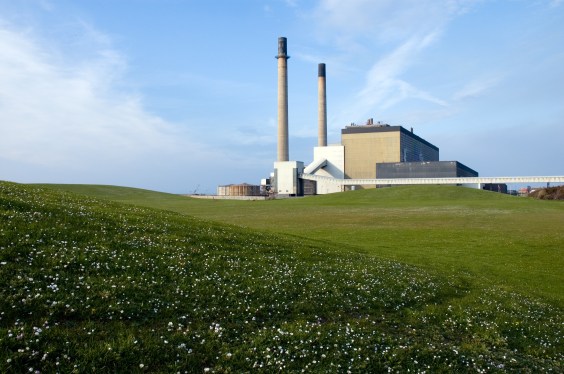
x=93, y=285
x=516, y=243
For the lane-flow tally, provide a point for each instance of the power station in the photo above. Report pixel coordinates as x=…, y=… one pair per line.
x=366, y=151
x=369, y=155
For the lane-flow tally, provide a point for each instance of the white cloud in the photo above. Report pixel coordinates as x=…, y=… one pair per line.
x=384, y=86
x=475, y=88
x=63, y=118
x=373, y=26
x=386, y=20
x=45, y=5
x=291, y=3
x=52, y=113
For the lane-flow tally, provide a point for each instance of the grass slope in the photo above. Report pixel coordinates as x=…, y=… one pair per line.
x=94, y=285
x=515, y=243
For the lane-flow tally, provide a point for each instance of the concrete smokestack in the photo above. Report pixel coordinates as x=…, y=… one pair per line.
x=322, y=107
x=282, y=100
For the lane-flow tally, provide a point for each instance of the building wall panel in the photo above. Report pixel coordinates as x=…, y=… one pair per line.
x=364, y=150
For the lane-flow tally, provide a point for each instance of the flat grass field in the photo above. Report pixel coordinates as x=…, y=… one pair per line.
x=415, y=278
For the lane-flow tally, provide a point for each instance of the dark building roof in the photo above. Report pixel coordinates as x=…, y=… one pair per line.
x=428, y=169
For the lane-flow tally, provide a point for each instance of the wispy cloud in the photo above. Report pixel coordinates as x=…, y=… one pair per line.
x=52, y=112
x=475, y=88
x=46, y=5
x=386, y=20
x=409, y=25
x=66, y=117
x=384, y=86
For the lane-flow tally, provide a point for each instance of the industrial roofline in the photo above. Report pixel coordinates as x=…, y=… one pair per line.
x=454, y=180
x=364, y=129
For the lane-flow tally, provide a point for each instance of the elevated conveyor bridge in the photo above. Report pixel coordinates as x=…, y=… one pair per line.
x=406, y=181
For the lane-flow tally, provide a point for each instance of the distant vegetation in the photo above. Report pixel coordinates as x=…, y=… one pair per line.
x=89, y=284
x=549, y=193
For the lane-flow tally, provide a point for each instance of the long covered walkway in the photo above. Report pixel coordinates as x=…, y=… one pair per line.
x=404, y=181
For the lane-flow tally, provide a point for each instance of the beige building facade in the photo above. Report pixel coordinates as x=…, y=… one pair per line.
x=367, y=145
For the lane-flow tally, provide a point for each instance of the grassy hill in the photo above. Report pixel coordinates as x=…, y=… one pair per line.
x=515, y=243
x=89, y=284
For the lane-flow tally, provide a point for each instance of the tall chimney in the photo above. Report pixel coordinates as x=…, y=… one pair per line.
x=322, y=107
x=282, y=100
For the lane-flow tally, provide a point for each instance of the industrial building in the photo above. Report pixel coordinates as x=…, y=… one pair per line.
x=502, y=188
x=370, y=155
x=435, y=169
x=370, y=144
x=366, y=152
x=377, y=150
x=242, y=189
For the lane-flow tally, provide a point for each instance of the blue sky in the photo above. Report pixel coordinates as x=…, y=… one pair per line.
x=180, y=95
